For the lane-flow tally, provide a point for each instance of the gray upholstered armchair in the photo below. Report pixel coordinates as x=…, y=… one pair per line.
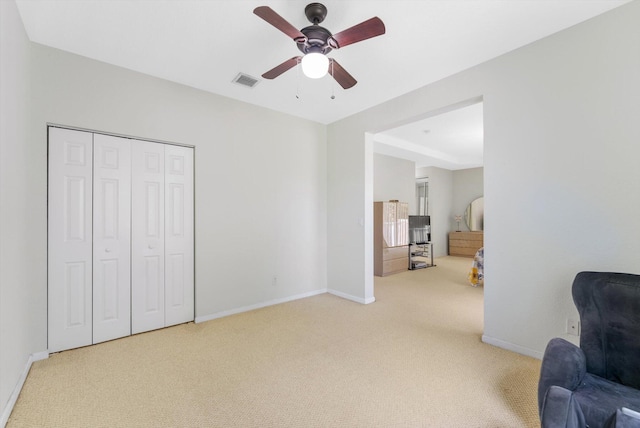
x=597, y=384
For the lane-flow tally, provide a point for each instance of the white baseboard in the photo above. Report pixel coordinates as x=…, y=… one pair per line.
x=512, y=347
x=37, y=356
x=16, y=391
x=283, y=300
x=350, y=297
x=259, y=305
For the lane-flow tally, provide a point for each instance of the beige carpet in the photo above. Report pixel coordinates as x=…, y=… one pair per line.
x=414, y=358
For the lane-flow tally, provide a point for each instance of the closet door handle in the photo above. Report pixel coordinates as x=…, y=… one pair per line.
x=107, y=250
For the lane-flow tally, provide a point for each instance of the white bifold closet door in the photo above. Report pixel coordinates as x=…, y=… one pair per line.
x=179, y=239
x=162, y=236
x=147, y=239
x=70, y=239
x=111, y=237
x=121, y=258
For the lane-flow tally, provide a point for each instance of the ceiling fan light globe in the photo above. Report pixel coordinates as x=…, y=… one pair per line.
x=315, y=65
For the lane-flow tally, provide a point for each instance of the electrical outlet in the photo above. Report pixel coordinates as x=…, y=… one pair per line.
x=573, y=327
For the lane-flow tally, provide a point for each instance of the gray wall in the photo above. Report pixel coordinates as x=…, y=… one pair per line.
x=19, y=276
x=560, y=173
x=394, y=179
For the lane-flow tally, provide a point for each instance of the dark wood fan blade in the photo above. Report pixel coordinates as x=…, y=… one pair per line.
x=269, y=15
x=340, y=74
x=363, y=31
x=278, y=70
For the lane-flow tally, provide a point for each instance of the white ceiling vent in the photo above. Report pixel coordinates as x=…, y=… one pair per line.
x=245, y=80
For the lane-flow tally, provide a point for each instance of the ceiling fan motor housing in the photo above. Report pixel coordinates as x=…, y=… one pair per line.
x=317, y=40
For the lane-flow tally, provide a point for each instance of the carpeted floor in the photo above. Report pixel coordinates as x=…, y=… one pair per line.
x=414, y=358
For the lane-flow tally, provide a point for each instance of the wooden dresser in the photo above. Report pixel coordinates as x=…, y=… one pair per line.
x=390, y=238
x=465, y=244
x=391, y=260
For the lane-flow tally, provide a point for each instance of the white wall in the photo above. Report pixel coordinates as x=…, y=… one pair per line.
x=18, y=278
x=394, y=179
x=560, y=173
x=350, y=212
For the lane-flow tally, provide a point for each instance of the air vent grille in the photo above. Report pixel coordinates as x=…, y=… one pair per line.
x=245, y=80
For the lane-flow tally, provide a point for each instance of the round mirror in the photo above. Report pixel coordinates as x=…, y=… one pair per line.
x=474, y=215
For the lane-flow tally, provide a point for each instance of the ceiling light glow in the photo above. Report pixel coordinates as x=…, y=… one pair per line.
x=315, y=65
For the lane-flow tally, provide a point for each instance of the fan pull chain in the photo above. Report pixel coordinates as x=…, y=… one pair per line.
x=299, y=67
x=333, y=83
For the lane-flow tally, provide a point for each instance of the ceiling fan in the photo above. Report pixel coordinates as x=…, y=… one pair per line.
x=315, y=42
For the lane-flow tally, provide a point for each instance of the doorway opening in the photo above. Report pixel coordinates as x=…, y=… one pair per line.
x=422, y=196
x=444, y=149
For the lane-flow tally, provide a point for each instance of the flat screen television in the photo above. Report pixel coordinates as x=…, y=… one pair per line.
x=419, y=229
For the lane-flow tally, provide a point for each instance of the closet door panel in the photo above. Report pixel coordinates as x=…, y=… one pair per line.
x=179, y=235
x=69, y=239
x=147, y=237
x=120, y=237
x=111, y=238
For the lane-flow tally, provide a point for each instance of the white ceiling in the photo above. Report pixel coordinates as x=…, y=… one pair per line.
x=206, y=43
x=452, y=140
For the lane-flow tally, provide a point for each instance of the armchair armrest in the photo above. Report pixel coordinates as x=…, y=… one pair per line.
x=563, y=365
x=624, y=418
x=561, y=410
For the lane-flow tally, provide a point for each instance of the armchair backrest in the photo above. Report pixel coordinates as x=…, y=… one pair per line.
x=609, y=307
